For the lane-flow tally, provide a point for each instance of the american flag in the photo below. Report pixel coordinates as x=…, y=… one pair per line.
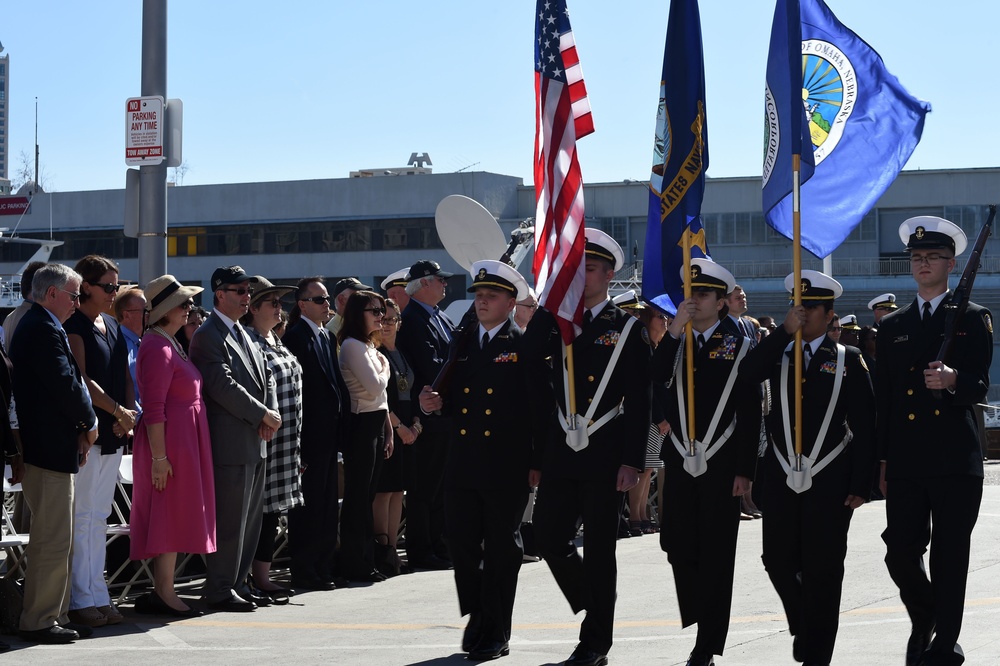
x=562, y=115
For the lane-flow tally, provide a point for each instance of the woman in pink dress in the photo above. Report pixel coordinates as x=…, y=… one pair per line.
x=173, y=497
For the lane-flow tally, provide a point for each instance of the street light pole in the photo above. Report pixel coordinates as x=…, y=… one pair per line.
x=153, y=179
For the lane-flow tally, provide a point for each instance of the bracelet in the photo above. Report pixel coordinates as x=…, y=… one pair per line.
x=114, y=412
x=159, y=459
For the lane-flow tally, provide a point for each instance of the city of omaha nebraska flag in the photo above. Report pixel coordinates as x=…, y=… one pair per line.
x=863, y=127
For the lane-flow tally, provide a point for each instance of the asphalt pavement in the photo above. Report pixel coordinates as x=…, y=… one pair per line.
x=413, y=619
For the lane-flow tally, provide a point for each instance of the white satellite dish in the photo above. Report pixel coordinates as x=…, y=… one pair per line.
x=468, y=231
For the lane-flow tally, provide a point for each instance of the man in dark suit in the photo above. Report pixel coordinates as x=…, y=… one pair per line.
x=242, y=409
x=486, y=471
x=805, y=534
x=326, y=410
x=424, y=339
x=58, y=426
x=584, y=472
x=702, y=492
x=928, y=441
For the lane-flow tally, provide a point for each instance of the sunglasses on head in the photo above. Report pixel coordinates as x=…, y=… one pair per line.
x=108, y=287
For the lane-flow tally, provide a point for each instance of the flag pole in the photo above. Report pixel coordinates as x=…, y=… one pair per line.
x=689, y=343
x=571, y=384
x=797, y=301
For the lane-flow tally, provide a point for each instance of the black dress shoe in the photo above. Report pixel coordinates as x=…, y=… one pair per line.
x=4, y=646
x=473, y=632
x=312, y=583
x=583, y=656
x=699, y=658
x=487, y=650
x=50, y=635
x=233, y=605
x=260, y=600
x=430, y=562
x=917, y=644
x=81, y=629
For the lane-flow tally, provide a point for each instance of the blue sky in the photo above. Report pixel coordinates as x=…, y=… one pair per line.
x=315, y=89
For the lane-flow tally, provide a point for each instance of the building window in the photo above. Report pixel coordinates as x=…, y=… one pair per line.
x=617, y=228
x=866, y=229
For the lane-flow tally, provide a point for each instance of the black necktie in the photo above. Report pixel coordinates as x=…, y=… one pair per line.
x=329, y=362
x=701, y=341
x=927, y=312
x=587, y=318
x=807, y=354
x=240, y=339
x=486, y=340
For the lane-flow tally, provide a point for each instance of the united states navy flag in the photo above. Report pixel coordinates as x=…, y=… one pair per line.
x=680, y=159
x=862, y=125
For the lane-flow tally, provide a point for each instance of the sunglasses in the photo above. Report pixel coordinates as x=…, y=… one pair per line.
x=186, y=305
x=391, y=320
x=318, y=300
x=108, y=287
x=241, y=291
x=72, y=296
x=275, y=302
x=378, y=312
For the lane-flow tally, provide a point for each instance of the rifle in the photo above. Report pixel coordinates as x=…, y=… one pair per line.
x=959, y=302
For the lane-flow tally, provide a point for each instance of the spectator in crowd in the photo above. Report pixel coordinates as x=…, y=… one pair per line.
x=366, y=373
x=767, y=325
x=130, y=312
x=10, y=321
x=834, y=330
x=196, y=317
x=525, y=309
x=424, y=339
x=22, y=515
x=387, y=508
x=326, y=410
x=93, y=334
x=341, y=292
x=58, y=426
x=173, y=496
x=849, y=333
x=640, y=521
x=395, y=288
x=282, y=489
x=8, y=443
x=242, y=406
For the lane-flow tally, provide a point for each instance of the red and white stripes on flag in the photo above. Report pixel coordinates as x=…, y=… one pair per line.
x=562, y=115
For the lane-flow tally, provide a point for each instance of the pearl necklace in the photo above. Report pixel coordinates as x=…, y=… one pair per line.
x=173, y=341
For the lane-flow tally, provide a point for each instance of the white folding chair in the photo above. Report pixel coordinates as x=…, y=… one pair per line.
x=143, y=575
x=14, y=545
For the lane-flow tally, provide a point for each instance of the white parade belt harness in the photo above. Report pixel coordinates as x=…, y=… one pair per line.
x=800, y=480
x=577, y=438
x=697, y=464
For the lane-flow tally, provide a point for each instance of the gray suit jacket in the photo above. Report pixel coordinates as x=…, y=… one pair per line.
x=237, y=390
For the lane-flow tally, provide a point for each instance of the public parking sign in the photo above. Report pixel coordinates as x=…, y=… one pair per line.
x=144, y=131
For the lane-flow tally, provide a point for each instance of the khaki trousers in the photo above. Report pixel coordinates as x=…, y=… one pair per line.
x=47, y=582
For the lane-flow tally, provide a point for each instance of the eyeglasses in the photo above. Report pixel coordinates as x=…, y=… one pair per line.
x=108, y=287
x=318, y=300
x=241, y=291
x=378, y=312
x=836, y=329
x=275, y=302
x=928, y=259
x=390, y=320
x=73, y=296
x=186, y=305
